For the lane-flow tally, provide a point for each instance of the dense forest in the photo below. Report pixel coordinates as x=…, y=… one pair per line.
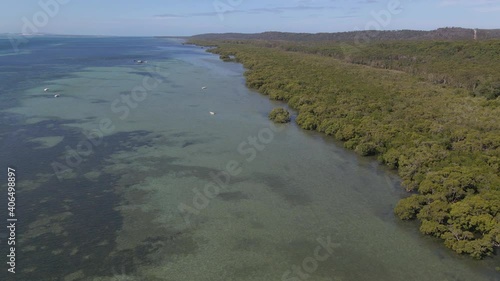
x=472, y=65
x=449, y=33
x=430, y=109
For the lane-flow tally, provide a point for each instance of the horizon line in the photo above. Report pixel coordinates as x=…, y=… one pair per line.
x=268, y=31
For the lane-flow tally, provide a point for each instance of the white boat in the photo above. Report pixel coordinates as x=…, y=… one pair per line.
x=203, y=88
x=212, y=113
x=46, y=89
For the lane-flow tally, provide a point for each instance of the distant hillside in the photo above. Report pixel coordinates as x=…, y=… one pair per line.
x=452, y=33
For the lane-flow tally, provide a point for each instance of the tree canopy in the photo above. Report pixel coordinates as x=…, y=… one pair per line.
x=280, y=115
x=429, y=109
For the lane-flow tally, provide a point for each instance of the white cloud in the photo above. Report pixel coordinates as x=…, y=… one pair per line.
x=488, y=9
x=480, y=6
x=468, y=2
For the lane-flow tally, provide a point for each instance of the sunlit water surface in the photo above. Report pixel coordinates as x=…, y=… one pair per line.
x=144, y=201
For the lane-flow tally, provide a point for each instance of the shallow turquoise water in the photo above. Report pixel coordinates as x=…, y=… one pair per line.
x=141, y=189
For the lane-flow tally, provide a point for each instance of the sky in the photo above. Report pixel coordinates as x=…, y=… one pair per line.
x=189, y=17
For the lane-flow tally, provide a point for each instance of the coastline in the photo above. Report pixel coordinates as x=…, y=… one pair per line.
x=229, y=52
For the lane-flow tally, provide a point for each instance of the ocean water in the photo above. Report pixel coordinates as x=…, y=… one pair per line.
x=127, y=176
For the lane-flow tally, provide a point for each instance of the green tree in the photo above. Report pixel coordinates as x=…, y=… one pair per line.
x=280, y=115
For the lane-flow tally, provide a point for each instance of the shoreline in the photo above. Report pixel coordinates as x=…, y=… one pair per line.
x=229, y=52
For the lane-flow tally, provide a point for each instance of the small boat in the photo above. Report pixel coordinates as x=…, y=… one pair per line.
x=46, y=89
x=56, y=95
x=141, y=61
x=212, y=113
x=203, y=88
